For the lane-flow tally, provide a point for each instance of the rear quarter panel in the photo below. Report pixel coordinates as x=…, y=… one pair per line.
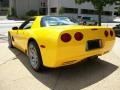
x=48, y=38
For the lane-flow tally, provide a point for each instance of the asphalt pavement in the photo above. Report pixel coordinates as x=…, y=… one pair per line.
x=17, y=74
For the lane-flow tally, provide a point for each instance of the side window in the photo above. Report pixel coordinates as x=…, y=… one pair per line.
x=27, y=24
x=42, y=22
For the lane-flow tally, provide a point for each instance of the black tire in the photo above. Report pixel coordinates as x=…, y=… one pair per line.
x=10, y=41
x=39, y=63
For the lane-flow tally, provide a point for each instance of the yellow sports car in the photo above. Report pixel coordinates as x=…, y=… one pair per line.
x=54, y=41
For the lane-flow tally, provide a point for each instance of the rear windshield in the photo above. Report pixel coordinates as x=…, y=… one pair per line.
x=57, y=21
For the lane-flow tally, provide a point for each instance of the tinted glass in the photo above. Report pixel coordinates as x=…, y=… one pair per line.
x=57, y=21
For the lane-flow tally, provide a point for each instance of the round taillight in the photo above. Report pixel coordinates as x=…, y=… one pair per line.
x=78, y=36
x=65, y=37
x=106, y=33
x=111, y=33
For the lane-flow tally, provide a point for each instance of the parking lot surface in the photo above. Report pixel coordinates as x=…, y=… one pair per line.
x=17, y=74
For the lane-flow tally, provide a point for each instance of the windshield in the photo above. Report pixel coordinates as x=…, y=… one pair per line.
x=57, y=21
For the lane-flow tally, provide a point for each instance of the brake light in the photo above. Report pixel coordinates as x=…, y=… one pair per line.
x=106, y=33
x=111, y=33
x=65, y=37
x=78, y=36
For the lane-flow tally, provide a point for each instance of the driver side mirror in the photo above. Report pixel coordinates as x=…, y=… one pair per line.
x=15, y=28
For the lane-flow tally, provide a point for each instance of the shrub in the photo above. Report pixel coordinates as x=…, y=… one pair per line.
x=12, y=15
x=29, y=14
x=32, y=13
x=61, y=10
x=24, y=17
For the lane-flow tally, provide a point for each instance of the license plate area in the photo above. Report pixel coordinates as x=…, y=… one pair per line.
x=94, y=44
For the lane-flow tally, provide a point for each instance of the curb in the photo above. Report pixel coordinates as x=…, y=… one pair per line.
x=10, y=22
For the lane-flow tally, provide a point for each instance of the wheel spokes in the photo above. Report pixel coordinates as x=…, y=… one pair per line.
x=33, y=56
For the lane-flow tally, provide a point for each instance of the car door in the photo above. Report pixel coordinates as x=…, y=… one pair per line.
x=22, y=33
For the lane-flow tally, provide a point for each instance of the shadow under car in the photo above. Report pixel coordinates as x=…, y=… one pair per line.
x=73, y=77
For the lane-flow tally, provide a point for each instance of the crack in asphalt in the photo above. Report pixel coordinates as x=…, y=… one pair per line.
x=4, y=38
x=11, y=59
x=2, y=34
x=20, y=78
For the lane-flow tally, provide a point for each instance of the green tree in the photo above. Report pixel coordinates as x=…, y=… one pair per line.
x=98, y=5
x=61, y=10
x=118, y=11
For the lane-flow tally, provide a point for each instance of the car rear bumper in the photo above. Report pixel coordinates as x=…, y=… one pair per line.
x=67, y=55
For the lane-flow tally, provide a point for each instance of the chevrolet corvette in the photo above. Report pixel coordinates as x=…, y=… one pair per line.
x=55, y=41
